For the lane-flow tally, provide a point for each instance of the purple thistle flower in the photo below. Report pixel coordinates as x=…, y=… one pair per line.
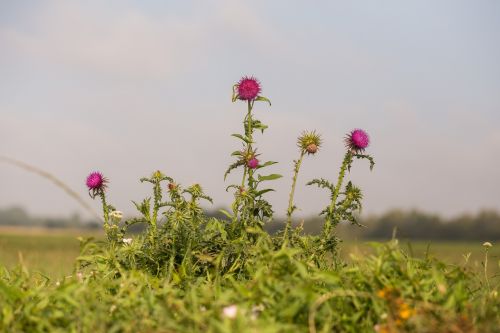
x=253, y=163
x=248, y=88
x=96, y=183
x=357, y=140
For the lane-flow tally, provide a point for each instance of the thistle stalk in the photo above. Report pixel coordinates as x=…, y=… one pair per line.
x=248, y=131
x=156, y=207
x=290, y=209
x=331, y=209
x=105, y=209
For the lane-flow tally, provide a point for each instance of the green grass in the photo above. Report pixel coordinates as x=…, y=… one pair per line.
x=459, y=253
x=386, y=292
x=53, y=252
x=49, y=251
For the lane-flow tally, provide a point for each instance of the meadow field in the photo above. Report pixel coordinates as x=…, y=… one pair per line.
x=53, y=251
x=187, y=271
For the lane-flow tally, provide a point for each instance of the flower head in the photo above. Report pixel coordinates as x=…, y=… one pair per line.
x=116, y=215
x=96, y=183
x=230, y=311
x=487, y=245
x=248, y=88
x=357, y=141
x=253, y=163
x=309, y=142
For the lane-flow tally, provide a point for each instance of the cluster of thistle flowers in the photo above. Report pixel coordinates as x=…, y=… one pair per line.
x=248, y=89
x=249, y=202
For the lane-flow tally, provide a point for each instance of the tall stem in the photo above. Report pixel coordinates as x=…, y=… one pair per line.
x=105, y=210
x=331, y=209
x=292, y=192
x=248, y=132
x=486, y=270
x=156, y=207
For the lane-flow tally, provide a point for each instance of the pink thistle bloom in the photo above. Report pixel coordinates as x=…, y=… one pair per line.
x=248, y=88
x=96, y=183
x=253, y=163
x=357, y=140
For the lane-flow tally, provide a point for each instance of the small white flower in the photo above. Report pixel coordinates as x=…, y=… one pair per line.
x=230, y=311
x=116, y=215
x=58, y=283
x=127, y=241
x=112, y=308
x=79, y=276
x=487, y=245
x=256, y=310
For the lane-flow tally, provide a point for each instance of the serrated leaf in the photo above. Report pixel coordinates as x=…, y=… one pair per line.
x=272, y=176
x=233, y=166
x=241, y=137
x=261, y=192
x=226, y=213
x=263, y=99
x=268, y=163
x=235, y=96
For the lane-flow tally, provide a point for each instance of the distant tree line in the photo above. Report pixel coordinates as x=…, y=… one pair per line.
x=414, y=224
x=17, y=216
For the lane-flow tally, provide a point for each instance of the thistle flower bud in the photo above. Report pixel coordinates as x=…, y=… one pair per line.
x=309, y=142
x=158, y=174
x=116, y=215
x=312, y=148
x=248, y=88
x=96, y=183
x=357, y=141
x=253, y=163
x=172, y=186
x=195, y=189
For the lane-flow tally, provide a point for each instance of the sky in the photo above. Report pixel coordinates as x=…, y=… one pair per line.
x=129, y=87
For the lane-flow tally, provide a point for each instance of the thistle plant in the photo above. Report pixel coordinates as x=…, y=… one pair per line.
x=97, y=184
x=187, y=272
x=249, y=207
x=344, y=202
x=182, y=242
x=151, y=217
x=308, y=143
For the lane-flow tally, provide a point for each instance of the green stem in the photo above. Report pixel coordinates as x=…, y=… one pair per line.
x=156, y=207
x=486, y=270
x=331, y=210
x=105, y=210
x=292, y=192
x=248, y=132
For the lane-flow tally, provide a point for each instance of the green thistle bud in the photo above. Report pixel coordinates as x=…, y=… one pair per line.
x=157, y=175
x=309, y=142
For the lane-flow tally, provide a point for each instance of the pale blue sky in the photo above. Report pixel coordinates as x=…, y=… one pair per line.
x=127, y=87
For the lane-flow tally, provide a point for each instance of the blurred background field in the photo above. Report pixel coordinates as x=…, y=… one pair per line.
x=52, y=251
x=49, y=251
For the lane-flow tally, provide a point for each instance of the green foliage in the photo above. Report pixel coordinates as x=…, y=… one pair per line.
x=188, y=272
x=281, y=293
